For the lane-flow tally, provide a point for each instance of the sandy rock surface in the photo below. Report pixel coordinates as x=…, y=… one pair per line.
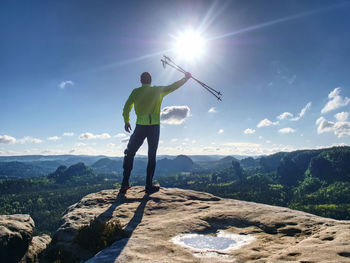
x=36, y=248
x=15, y=236
x=280, y=234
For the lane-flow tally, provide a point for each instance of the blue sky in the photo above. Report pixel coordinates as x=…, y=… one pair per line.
x=67, y=68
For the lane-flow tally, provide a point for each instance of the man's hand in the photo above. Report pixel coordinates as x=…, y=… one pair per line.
x=188, y=75
x=127, y=127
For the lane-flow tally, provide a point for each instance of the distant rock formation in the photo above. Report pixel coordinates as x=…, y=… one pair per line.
x=227, y=160
x=150, y=222
x=64, y=174
x=16, y=240
x=181, y=163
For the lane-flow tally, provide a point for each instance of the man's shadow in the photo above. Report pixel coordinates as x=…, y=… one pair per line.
x=117, y=247
x=121, y=199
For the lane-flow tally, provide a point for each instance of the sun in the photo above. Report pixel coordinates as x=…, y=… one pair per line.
x=189, y=45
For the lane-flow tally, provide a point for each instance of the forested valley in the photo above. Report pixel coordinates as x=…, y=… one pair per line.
x=315, y=181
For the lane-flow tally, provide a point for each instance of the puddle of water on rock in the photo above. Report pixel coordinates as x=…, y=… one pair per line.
x=209, y=245
x=207, y=242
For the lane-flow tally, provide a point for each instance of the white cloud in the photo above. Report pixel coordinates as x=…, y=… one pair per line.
x=290, y=116
x=335, y=101
x=260, y=137
x=324, y=125
x=78, y=148
x=212, y=110
x=239, y=148
x=89, y=136
x=265, y=123
x=53, y=138
x=64, y=84
x=331, y=145
x=249, y=131
x=11, y=152
x=120, y=135
x=68, y=134
x=247, y=148
x=194, y=141
x=241, y=144
x=29, y=139
x=285, y=115
x=302, y=112
x=110, y=145
x=221, y=131
x=286, y=130
x=174, y=140
x=340, y=128
x=174, y=114
x=7, y=139
x=342, y=116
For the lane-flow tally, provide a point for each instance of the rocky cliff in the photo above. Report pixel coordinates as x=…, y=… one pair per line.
x=17, y=243
x=145, y=229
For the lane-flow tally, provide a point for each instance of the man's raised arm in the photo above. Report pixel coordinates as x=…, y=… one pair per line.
x=168, y=89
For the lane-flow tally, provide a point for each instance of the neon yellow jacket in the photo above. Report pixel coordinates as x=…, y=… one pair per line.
x=147, y=101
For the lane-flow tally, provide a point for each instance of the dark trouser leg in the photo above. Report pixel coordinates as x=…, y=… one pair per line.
x=134, y=144
x=152, y=140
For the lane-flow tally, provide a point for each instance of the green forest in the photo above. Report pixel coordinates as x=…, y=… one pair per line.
x=315, y=181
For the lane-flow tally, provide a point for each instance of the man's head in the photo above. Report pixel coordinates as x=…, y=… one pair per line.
x=146, y=78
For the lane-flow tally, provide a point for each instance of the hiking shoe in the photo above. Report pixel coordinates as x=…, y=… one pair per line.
x=123, y=189
x=152, y=189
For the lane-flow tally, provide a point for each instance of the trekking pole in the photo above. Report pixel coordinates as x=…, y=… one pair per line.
x=164, y=62
x=168, y=61
x=200, y=82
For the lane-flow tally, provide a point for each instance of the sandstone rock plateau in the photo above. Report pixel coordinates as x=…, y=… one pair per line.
x=151, y=222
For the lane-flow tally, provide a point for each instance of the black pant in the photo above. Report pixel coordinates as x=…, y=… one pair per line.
x=151, y=132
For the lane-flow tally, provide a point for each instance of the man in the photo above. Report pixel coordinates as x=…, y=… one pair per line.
x=147, y=101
